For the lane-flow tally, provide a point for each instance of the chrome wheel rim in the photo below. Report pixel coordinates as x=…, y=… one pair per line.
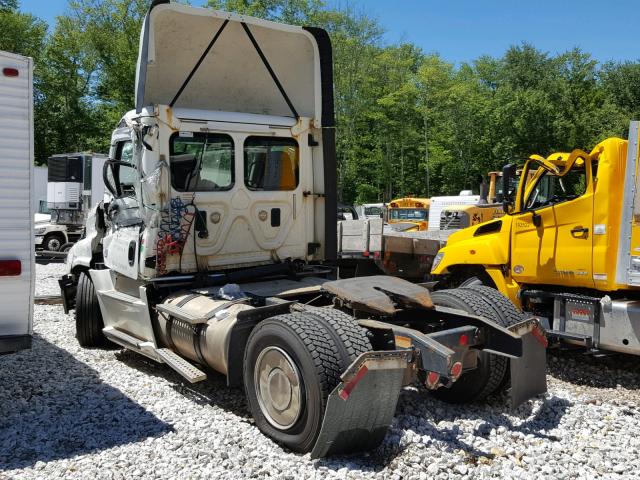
x=278, y=387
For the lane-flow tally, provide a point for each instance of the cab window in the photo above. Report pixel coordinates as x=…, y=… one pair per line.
x=271, y=163
x=201, y=162
x=551, y=189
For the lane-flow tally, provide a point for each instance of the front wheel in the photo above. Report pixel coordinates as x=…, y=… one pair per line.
x=291, y=365
x=89, y=323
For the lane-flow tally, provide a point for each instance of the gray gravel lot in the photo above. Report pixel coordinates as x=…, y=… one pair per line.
x=72, y=413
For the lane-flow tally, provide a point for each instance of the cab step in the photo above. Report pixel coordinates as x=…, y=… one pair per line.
x=122, y=297
x=180, y=365
x=124, y=339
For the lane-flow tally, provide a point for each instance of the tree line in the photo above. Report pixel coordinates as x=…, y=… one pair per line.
x=408, y=122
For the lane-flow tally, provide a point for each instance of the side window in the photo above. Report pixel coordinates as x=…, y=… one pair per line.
x=552, y=189
x=271, y=164
x=126, y=177
x=201, y=162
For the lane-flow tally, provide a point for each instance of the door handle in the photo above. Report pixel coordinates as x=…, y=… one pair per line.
x=579, y=231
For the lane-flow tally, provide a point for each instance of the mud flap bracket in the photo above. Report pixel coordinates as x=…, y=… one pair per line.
x=361, y=408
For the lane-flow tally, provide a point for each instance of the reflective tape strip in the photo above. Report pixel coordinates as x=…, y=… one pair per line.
x=348, y=388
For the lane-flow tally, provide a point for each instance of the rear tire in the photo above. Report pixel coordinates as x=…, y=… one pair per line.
x=349, y=337
x=501, y=304
x=508, y=312
x=291, y=365
x=477, y=384
x=89, y=323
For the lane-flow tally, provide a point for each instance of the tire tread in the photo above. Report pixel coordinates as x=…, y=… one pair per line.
x=497, y=364
x=89, y=321
x=351, y=338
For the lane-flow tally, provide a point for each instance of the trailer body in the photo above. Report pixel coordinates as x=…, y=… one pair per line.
x=217, y=246
x=17, y=268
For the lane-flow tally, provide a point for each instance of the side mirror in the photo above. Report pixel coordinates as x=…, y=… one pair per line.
x=509, y=172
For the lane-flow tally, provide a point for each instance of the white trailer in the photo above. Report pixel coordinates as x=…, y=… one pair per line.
x=16, y=215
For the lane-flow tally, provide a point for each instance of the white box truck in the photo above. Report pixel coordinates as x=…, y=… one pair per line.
x=16, y=215
x=74, y=186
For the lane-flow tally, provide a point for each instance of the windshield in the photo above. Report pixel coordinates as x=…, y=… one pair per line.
x=408, y=214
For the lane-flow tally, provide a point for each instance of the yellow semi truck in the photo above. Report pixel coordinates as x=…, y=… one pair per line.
x=409, y=214
x=568, y=249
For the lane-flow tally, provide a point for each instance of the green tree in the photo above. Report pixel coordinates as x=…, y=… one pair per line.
x=22, y=33
x=8, y=5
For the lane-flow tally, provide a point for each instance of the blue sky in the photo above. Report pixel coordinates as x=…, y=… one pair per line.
x=462, y=30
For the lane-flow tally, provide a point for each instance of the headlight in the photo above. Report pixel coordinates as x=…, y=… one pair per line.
x=436, y=260
x=40, y=231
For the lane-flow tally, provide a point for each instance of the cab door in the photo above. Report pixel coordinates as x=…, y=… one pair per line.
x=552, y=235
x=122, y=242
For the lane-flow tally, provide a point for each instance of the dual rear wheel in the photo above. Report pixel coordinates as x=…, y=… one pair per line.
x=492, y=372
x=292, y=363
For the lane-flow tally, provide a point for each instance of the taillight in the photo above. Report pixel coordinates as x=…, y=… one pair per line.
x=10, y=268
x=10, y=72
x=433, y=379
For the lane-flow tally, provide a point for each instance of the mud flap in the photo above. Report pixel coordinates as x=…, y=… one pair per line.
x=529, y=372
x=361, y=408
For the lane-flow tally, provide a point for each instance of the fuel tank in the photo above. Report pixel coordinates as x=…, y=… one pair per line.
x=205, y=342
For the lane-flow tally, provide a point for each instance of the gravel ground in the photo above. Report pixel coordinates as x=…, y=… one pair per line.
x=72, y=413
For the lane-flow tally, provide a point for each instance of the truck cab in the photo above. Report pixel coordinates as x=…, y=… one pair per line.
x=571, y=228
x=487, y=208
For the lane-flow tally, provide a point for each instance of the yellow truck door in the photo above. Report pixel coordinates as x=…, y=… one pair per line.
x=552, y=235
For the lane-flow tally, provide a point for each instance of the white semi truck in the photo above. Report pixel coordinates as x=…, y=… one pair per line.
x=217, y=248
x=74, y=186
x=17, y=267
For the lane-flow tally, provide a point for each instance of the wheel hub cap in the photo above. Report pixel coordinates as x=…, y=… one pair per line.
x=278, y=387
